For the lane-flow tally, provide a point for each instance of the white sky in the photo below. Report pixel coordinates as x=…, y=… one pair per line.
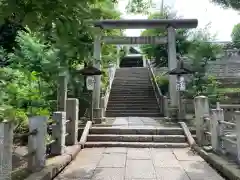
x=221, y=20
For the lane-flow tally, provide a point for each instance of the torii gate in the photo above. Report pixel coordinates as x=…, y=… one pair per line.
x=169, y=24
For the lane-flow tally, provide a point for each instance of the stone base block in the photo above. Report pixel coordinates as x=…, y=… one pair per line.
x=97, y=113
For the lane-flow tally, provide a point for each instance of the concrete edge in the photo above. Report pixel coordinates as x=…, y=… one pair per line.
x=60, y=162
x=85, y=133
x=228, y=170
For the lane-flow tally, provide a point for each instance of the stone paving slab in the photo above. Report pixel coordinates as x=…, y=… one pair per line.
x=138, y=164
x=140, y=169
x=143, y=153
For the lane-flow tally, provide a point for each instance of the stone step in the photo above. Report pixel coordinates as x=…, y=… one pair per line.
x=137, y=130
x=123, y=91
x=124, y=114
x=133, y=111
x=125, y=108
x=136, y=138
x=130, y=78
x=136, y=145
x=134, y=87
x=130, y=98
x=130, y=85
x=129, y=93
x=134, y=106
x=140, y=101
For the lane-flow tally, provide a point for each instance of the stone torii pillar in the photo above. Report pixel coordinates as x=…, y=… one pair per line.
x=97, y=64
x=172, y=64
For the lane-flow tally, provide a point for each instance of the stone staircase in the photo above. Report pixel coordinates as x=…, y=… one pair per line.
x=138, y=137
x=132, y=94
x=132, y=61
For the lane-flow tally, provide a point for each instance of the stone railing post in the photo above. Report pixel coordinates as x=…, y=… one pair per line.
x=201, y=110
x=58, y=133
x=165, y=106
x=72, y=125
x=62, y=92
x=217, y=115
x=237, y=116
x=6, y=142
x=102, y=105
x=37, y=143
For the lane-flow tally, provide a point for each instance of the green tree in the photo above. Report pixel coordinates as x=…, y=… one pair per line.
x=234, y=4
x=236, y=35
x=201, y=52
x=159, y=52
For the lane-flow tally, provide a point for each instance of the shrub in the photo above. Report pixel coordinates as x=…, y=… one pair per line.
x=163, y=83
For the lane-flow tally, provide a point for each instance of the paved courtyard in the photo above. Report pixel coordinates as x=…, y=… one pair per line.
x=138, y=164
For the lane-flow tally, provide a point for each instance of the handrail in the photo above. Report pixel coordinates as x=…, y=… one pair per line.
x=156, y=88
x=107, y=93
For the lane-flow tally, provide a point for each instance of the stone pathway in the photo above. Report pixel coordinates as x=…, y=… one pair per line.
x=138, y=164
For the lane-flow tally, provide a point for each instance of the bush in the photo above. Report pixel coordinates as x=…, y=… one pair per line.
x=206, y=86
x=163, y=83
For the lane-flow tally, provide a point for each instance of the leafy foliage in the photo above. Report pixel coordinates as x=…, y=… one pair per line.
x=200, y=54
x=159, y=53
x=40, y=40
x=235, y=4
x=236, y=35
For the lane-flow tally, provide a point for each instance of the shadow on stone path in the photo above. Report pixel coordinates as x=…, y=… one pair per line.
x=138, y=164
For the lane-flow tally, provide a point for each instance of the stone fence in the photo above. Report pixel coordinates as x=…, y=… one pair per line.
x=218, y=127
x=47, y=136
x=64, y=132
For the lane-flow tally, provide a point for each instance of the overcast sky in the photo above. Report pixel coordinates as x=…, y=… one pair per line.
x=222, y=20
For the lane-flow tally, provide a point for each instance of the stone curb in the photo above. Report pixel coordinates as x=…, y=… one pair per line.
x=227, y=169
x=56, y=164
x=85, y=133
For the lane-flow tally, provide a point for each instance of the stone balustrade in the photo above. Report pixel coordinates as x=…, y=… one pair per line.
x=105, y=97
x=212, y=128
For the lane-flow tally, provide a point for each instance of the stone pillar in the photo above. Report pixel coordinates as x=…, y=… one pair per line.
x=97, y=64
x=217, y=115
x=72, y=126
x=102, y=105
x=144, y=61
x=172, y=64
x=97, y=115
x=237, y=116
x=37, y=143
x=165, y=106
x=6, y=144
x=62, y=92
x=201, y=110
x=58, y=133
x=118, y=56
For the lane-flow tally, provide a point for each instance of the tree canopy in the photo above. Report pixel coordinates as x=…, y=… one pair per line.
x=234, y=4
x=236, y=35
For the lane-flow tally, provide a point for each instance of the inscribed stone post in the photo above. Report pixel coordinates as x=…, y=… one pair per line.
x=72, y=125
x=172, y=64
x=37, y=143
x=217, y=115
x=6, y=143
x=62, y=92
x=237, y=117
x=58, y=133
x=201, y=110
